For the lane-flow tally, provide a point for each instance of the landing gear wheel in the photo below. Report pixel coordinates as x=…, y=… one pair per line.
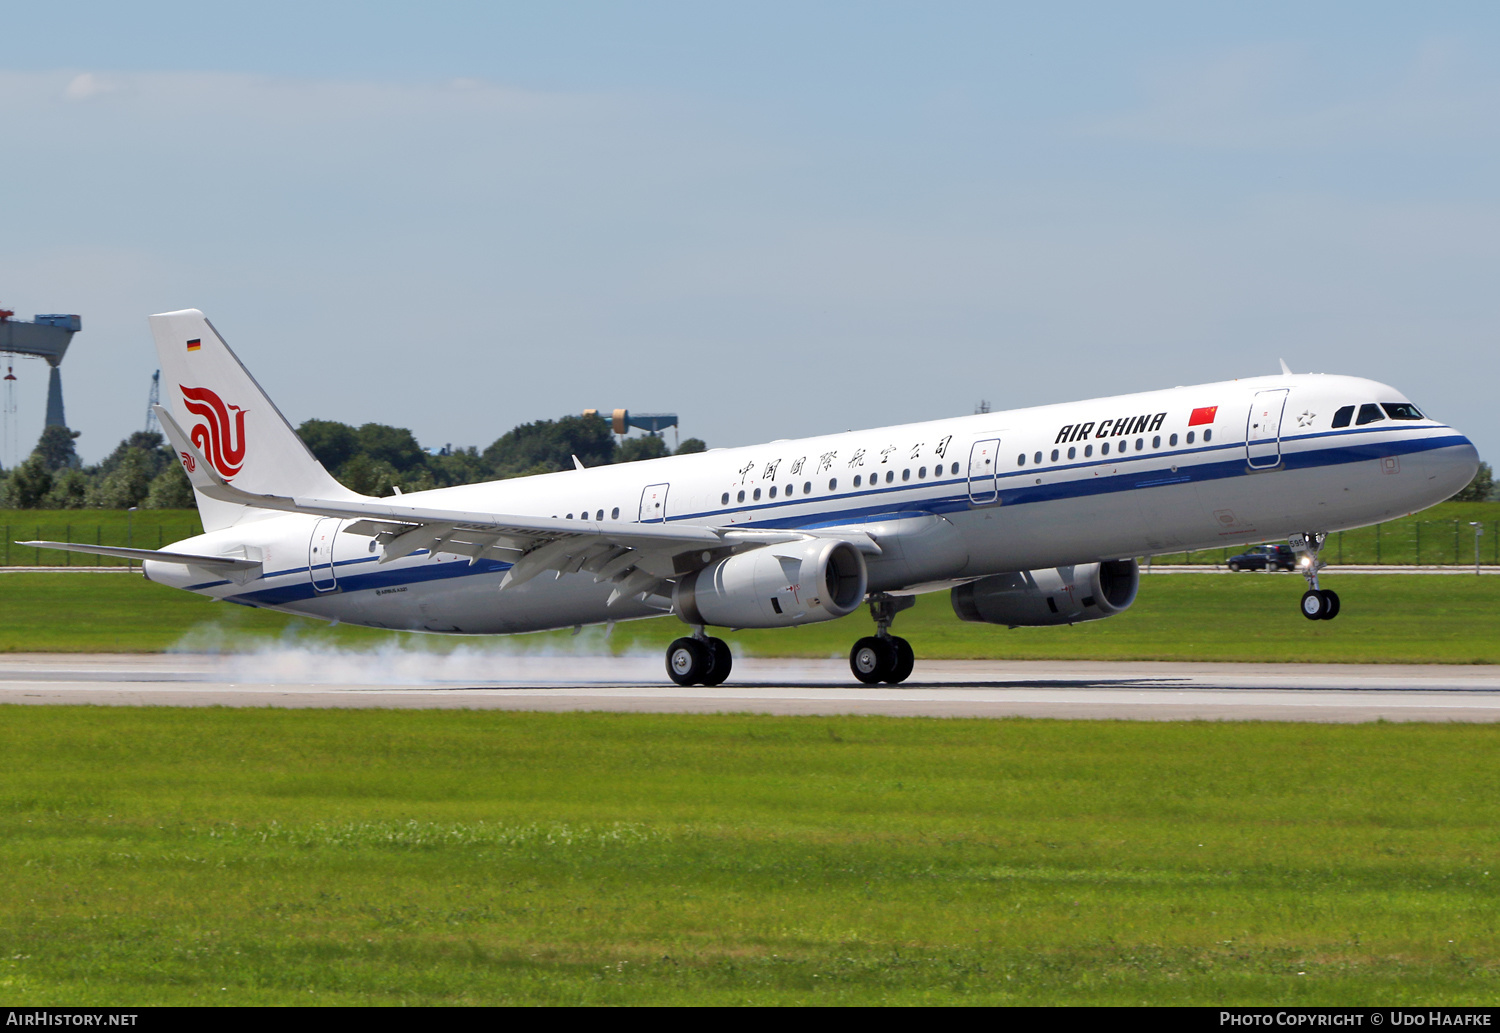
x=872, y=660
x=1333, y=604
x=723, y=662
x=1315, y=605
x=689, y=661
x=905, y=661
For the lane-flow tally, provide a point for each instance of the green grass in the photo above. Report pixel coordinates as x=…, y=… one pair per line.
x=143, y=529
x=1386, y=618
x=175, y=856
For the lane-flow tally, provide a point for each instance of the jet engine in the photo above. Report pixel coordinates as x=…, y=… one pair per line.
x=1057, y=595
x=775, y=586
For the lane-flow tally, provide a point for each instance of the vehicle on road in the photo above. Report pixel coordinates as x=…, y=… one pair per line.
x=1264, y=557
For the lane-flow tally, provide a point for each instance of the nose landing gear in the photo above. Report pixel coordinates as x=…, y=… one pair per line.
x=884, y=657
x=1318, y=604
x=699, y=660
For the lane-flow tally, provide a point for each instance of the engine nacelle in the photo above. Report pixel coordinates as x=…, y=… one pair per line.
x=1057, y=595
x=775, y=586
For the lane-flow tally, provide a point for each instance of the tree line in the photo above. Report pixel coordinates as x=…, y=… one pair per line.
x=373, y=459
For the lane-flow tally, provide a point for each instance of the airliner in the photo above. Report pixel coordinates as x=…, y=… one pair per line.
x=1031, y=517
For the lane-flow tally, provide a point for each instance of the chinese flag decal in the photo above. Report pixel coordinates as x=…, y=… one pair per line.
x=1202, y=416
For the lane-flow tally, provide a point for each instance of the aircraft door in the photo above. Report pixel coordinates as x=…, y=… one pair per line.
x=1263, y=429
x=654, y=504
x=983, y=459
x=320, y=554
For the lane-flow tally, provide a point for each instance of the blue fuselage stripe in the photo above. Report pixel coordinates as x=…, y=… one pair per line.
x=875, y=503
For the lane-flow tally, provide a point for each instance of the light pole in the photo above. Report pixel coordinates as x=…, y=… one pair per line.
x=130, y=533
x=1478, y=530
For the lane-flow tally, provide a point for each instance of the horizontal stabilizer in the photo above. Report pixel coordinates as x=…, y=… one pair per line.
x=141, y=555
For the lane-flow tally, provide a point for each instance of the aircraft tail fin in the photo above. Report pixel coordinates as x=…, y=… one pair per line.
x=231, y=421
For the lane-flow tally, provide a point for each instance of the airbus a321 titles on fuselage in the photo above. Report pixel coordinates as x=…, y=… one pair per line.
x=1028, y=517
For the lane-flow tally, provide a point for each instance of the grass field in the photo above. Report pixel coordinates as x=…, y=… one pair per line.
x=175, y=856
x=1386, y=618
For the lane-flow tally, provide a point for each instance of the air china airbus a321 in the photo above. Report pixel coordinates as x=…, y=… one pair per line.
x=1028, y=517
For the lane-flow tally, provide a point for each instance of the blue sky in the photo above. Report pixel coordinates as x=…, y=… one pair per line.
x=774, y=219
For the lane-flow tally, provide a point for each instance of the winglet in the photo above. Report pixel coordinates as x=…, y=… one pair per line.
x=1285, y=369
x=577, y=463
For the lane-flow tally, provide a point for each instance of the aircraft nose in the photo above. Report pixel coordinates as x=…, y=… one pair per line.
x=1452, y=467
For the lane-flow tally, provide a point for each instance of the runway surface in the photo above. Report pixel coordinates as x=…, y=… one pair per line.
x=938, y=688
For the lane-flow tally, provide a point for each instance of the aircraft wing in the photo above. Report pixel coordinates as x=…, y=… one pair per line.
x=639, y=558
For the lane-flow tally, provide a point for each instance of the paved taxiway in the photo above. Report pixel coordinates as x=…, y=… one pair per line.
x=939, y=688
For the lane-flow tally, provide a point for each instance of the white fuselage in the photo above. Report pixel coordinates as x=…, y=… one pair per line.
x=948, y=501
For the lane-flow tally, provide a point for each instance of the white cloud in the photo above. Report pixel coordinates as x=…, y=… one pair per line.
x=82, y=87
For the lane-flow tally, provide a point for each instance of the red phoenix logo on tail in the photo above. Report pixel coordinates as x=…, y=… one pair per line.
x=221, y=442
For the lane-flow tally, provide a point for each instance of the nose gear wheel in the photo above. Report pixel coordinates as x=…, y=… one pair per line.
x=1318, y=604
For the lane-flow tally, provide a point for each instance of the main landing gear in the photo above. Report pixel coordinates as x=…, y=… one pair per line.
x=883, y=657
x=699, y=660
x=1318, y=604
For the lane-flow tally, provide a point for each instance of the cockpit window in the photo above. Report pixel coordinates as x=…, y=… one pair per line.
x=1343, y=416
x=1401, y=411
x=1369, y=413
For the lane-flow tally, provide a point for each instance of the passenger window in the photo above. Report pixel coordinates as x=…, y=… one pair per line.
x=1343, y=416
x=723, y=502
x=570, y=516
x=1088, y=450
x=1021, y=459
x=740, y=497
x=1054, y=455
x=955, y=468
x=1037, y=458
x=757, y=495
x=1190, y=437
x=856, y=480
x=614, y=514
x=890, y=475
x=807, y=487
x=1401, y=411
x=922, y=473
x=1156, y=441
x=1072, y=453
x=1172, y=441
x=906, y=475
x=599, y=515
x=1104, y=449
x=773, y=491
x=833, y=484
x=1208, y=434
x=1140, y=443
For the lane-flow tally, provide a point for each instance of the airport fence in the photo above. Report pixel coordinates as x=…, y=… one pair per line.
x=1398, y=543
x=144, y=529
